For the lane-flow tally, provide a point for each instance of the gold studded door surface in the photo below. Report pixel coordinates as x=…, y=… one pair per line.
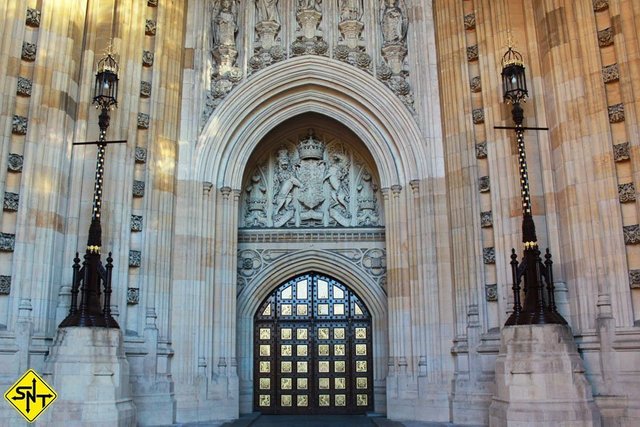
x=312, y=350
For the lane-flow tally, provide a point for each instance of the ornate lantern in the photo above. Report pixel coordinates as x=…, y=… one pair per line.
x=105, y=93
x=514, y=82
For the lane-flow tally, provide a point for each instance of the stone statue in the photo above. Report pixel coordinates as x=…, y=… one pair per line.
x=309, y=5
x=256, y=202
x=393, y=23
x=285, y=182
x=224, y=23
x=336, y=174
x=350, y=10
x=267, y=11
x=367, y=210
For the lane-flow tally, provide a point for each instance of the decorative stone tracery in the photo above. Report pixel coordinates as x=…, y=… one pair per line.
x=311, y=184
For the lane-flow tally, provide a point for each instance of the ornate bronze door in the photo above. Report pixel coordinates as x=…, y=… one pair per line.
x=313, y=350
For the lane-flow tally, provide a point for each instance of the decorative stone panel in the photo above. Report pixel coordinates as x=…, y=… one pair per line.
x=15, y=162
x=29, y=51
x=621, y=152
x=472, y=53
x=19, y=125
x=11, y=201
x=152, y=3
x=631, y=234
x=136, y=222
x=486, y=219
x=133, y=296
x=145, y=89
x=470, y=21
x=484, y=184
x=135, y=258
x=478, y=116
x=5, y=285
x=476, y=84
x=7, y=242
x=143, y=121
x=491, y=292
x=150, y=27
x=489, y=255
x=141, y=155
x=147, y=58
x=627, y=192
x=605, y=37
x=481, y=150
x=138, y=188
x=610, y=73
x=24, y=86
x=600, y=5
x=616, y=113
x=634, y=279
x=33, y=17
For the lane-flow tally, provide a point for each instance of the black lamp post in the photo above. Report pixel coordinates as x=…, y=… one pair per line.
x=92, y=276
x=539, y=305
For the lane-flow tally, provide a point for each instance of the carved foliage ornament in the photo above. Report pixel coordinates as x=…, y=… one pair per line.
x=24, y=86
x=616, y=113
x=311, y=184
x=599, y=5
x=33, y=17
x=19, y=125
x=605, y=37
x=621, y=152
x=631, y=234
x=610, y=73
x=29, y=51
x=5, y=285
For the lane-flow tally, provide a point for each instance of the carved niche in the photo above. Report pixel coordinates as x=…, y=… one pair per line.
x=311, y=184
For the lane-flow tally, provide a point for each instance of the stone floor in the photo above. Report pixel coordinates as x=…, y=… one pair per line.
x=257, y=420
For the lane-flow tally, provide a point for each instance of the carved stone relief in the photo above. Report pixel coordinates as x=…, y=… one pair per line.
x=5, y=285
x=143, y=121
x=631, y=234
x=252, y=261
x=29, y=51
x=147, y=58
x=24, y=86
x=484, y=184
x=11, y=201
x=605, y=37
x=472, y=53
x=475, y=84
x=309, y=37
x=15, y=162
x=634, y=279
x=152, y=3
x=19, y=125
x=627, y=192
x=135, y=258
x=136, y=222
x=351, y=47
x=470, y=21
x=393, y=71
x=33, y=17
x=141, y=155
x=486, y=219
x=489, y=255
x=610, y=73
x=7, y=242
x=150, y=27
x=491, y=292
x=133, y=296
x=616, y=113
x=481, y=150
x=311, y=184
x=145, y=89
x=599, y=5
x=138, y=188
x=268, y=49
x=478, y=116
x=621, y=152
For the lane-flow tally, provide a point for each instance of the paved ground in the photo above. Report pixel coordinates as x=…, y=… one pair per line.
x=256, y=420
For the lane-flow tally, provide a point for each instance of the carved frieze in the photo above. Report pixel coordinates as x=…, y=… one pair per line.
x=11, y=201
x=610, y=73
x=152, y=3
x=489, y=255
x=19, y=125
x=29, y=51
x=627, y=192
x=605, y=37
x=150, y=27
x=472, y=53
x=616, y=113
x=470, y=21
x=475, y=84
x=143, y=121
x=135, y=258
x=138, y=188
x=478, y=116
x=634, y=279
x=484, y=184
x=24, y=86
x=481, y=150
x=311, y=184
x=145, y=89
x=599, y=5
x=15, y=162
x=621, y=152
x=491, y=292
x=7, y=242
x=141, y=155
x=486, y=219
x=631, y=234
x=147, y=58
x=133, y=296
x=5, y=285
x=136, y=222
x=33, y=17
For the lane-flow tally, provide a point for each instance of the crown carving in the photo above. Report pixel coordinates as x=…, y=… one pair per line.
x=311, y=148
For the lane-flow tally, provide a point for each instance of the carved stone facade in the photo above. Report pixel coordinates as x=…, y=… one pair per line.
x=141, y=155
x=605, y=37
x=481, y=150
x=478, y=116
x=486, y=219
x=15, y=162
x=33, y=17
x=616, y=113
x=24, y=86
x=491, y=292
x=138, y=188
x=145, y=89
x=7, y=242
x=311, y=184
x=631, y=234
x=621, y=152
x=136, y=222
x=133, y=296
x=627, y=192
x=19, y=125
x=150, y=27
x=143, y=121
x=610, y=73
x=11, y=201
x=29, y=51
x=484, y=184
x=489, y=255
x=475, y=84
x=147, y=58
x=5, y=285
x=135, y=258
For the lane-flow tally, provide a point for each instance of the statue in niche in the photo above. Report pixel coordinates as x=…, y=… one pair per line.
x=350, y=10
x=367, y=212
x=285, y=181
x=224, y=23
x=267, y=11
x=337, y=171
x=256, y=215
x=309, y=5
x=393, y=23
